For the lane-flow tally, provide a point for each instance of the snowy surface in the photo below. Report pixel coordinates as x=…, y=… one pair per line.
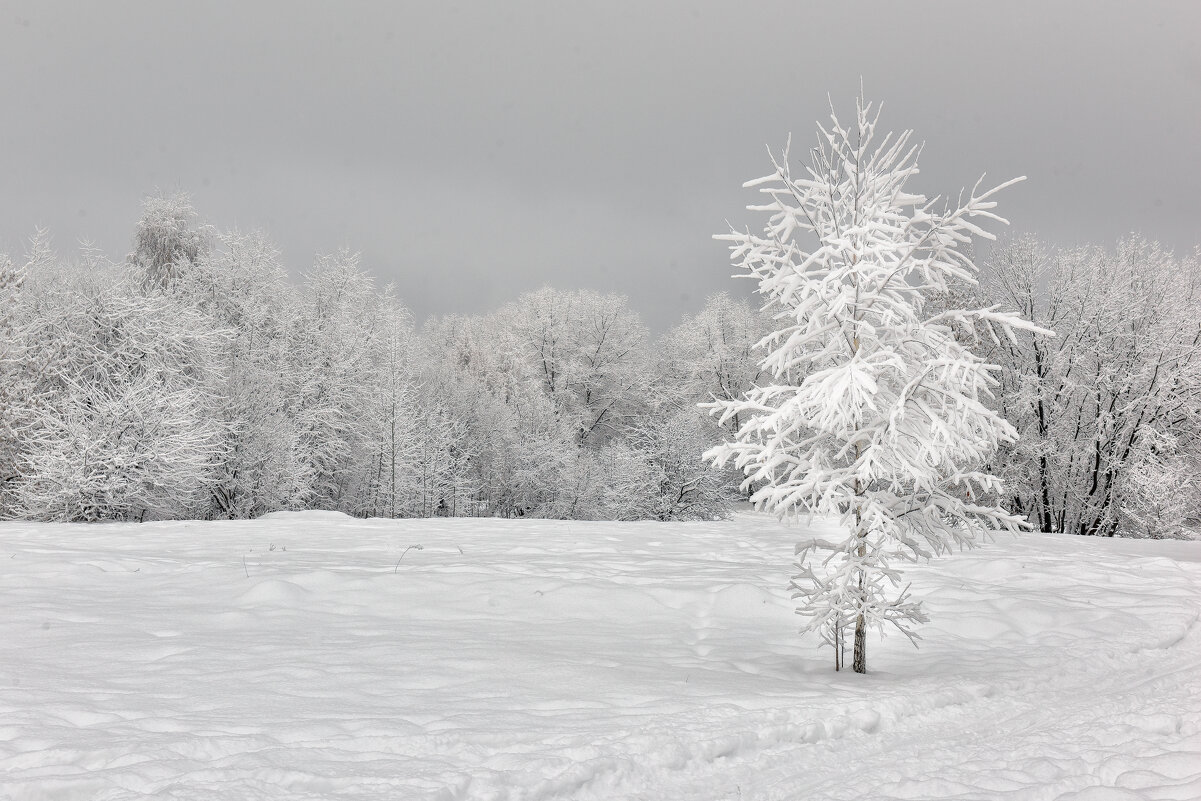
x=551, y=660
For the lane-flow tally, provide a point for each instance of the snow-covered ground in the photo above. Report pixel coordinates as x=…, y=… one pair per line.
x=311, y=656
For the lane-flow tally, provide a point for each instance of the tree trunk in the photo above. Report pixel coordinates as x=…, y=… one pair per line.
x=838, y=645
x=859, y=661
x=859, y=658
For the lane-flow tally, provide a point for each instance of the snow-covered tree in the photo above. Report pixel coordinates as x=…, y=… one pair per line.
x=242, y=288
x=706, y=356
x=1110, y=404
x=588, y=352
x=194, y=379
x=878, y=413
x=166, y=245
x=118, y=424
x=612, y=482
x=684, y=486
x=712, y=354
x=538, y=409
x=472, y=407
x=335, y=349
x=392, y=429
x=15, y=384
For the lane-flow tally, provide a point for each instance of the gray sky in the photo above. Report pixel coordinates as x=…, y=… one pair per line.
x=473, y=151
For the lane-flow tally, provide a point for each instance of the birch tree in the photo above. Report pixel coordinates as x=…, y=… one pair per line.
x=878, y=413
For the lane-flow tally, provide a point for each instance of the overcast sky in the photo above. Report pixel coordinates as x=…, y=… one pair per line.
x=472, y=151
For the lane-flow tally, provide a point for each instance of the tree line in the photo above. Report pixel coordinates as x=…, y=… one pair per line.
x=194, y=379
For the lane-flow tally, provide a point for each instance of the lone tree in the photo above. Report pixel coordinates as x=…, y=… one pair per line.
x=876, y=414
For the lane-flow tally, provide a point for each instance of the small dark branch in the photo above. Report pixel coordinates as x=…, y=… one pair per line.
x=410, y=548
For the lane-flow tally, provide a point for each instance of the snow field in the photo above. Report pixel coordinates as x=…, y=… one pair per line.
x=310, y=655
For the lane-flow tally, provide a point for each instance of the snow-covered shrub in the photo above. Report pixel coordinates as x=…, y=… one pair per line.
x=1161, y=495
x=612, y=482
x=686, y=487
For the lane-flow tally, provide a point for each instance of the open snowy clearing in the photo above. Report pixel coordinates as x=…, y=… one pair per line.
x=310, y=655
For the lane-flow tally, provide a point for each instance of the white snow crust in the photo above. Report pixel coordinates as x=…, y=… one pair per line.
x=314, y=656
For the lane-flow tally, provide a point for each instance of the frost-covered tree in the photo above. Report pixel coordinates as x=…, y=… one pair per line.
x=612, y=482
x=706, y=356
x=335, y=350
x=194, y=379
x=1110, y=410
x=392, y=428
x=878, y=413
x=587, y=350
x=684, y=486
x=712, y=354
x=166, y=244
x=241, y=288
x=15, y=383
x=537, y=410
x=117, y=426
x=1161, y=493
x=472, y=409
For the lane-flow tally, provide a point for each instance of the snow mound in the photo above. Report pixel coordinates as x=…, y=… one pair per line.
x=315, y=516
x=273, y=592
